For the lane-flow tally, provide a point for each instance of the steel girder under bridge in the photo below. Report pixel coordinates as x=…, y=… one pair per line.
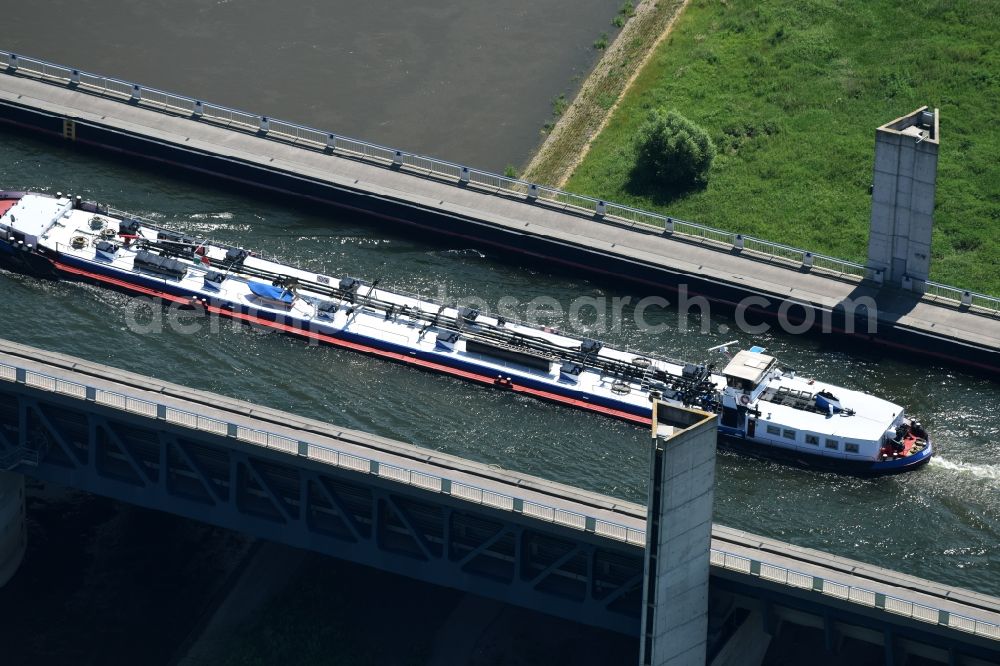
x=439, y=518
x=342, y=512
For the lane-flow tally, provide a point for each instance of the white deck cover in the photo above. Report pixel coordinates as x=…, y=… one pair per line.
x=748, y=365
x=34, y=214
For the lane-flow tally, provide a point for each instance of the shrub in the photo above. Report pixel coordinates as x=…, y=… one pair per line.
x=559, y=105
x=673, y=151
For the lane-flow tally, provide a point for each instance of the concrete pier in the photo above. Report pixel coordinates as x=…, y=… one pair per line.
x=678, y=537
x=763, y=289
x=13, y=533
x=905, y=179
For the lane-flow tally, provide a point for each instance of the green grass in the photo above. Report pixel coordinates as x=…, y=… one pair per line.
x=559, y=105
x=625, y=12
x=557, y=155
x=792, y=93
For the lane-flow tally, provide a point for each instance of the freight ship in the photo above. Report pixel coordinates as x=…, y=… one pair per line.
x=763, y=409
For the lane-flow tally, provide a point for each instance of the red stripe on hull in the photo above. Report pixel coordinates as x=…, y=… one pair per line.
x=365, y=349
x=872, y=338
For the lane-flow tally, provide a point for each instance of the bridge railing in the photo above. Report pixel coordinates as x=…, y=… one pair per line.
x=470, y=493
x=963, y=296
x=451, y=172
x=854, y=594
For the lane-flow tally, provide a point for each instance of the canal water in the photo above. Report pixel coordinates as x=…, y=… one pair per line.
x=486, y=72
x=942, y=522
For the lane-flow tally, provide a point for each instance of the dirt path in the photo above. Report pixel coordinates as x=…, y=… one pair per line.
x=601, y=93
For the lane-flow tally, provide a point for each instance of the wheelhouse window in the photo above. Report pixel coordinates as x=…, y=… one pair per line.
x=814, y=440
x=851, y=448
x=833, y=444
x=788, y=434
x=742, y=384
x=773, y=430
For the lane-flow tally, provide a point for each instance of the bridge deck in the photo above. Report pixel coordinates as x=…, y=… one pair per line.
x=730, y=546
x=567, y=227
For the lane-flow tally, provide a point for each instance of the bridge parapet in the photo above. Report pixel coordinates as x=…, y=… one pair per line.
x=168, y=413
x=420, y=513
x=310, y=138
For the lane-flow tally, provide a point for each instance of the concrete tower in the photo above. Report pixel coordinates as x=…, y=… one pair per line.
x=899, y=243
x=678, y=537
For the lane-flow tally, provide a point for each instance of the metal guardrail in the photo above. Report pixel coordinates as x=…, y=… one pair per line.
x=858, y=595
x=964, y=296
x=449, y=171
x=474, y=494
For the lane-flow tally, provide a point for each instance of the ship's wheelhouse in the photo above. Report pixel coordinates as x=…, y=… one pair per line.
x=746, y=378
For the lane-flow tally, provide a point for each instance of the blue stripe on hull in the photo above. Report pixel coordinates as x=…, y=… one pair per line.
x=442, y=358
x=828, y=463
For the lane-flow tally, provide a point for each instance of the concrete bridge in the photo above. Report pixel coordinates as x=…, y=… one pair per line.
x=774, y=282
x=439, y=518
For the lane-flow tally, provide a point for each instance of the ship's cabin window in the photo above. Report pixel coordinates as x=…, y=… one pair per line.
x=833, y=444
x=851, y=448
x=773, y=430
x=812, y=439
x=741, y=384
x=788, y=434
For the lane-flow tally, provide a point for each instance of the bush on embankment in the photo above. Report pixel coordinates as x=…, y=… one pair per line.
x=792, y=92
x=672, y=153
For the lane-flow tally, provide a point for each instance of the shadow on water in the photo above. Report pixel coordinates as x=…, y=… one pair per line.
x=197, y=182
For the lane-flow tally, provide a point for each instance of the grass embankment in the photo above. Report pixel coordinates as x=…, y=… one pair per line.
x=792, y=93
x=641, y=26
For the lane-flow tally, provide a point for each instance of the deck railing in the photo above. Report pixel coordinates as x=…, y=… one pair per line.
x=11, y=458
x=449, y=171
x=364, y=293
